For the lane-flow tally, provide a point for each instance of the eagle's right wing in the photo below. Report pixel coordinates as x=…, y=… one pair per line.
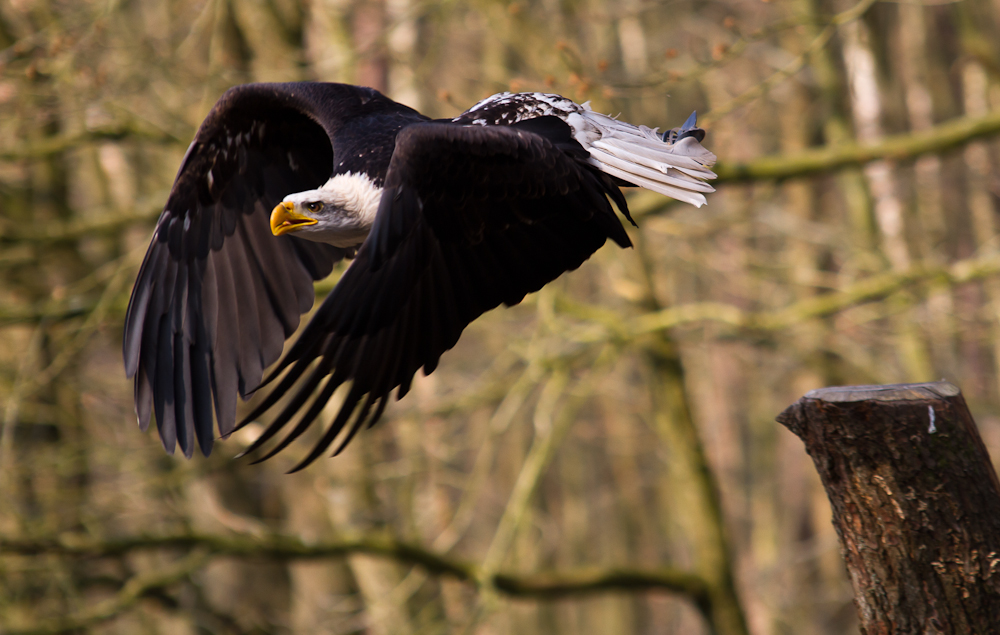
x=470, y=217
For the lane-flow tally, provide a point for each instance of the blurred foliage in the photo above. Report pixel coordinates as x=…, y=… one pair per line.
x=618, y=423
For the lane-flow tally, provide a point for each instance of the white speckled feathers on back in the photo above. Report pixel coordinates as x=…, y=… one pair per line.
x=635, y=154
x=507, y=108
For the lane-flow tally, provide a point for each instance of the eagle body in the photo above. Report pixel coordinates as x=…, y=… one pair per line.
x=444, y=220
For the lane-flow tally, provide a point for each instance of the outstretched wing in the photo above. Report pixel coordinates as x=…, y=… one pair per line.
x=217, y=294
x=470, y=217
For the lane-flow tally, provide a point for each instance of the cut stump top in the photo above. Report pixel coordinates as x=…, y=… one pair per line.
x=886, y=392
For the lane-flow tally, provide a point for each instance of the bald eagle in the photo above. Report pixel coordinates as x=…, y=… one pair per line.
x=444, y=220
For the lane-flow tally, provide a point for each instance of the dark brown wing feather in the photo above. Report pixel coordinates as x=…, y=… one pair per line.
x=217, y=294
x=471, y=217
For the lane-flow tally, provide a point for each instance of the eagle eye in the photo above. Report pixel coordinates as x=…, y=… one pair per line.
x=314, y=206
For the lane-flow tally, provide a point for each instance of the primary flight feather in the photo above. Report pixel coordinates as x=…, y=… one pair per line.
x=444, y=220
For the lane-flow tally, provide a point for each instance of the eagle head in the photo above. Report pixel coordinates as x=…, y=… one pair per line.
x=340, y=213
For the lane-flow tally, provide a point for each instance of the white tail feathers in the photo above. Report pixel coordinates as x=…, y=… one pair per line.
x=638, y=155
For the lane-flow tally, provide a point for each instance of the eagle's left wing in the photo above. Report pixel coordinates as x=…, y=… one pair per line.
x=470, y=217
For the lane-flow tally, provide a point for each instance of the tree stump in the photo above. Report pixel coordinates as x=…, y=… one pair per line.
x=916, y=504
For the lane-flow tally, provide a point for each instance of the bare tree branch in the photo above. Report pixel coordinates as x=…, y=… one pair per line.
x=876, y=287
x=539, y=584
x=55, y=145
x=133, y=590
x=942, y=138
x=99, y=224
x=561, y=584
x=10, y=317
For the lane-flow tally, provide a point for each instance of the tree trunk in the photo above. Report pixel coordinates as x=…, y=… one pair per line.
x=916, y=504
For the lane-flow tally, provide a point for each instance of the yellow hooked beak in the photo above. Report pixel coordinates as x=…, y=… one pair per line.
x=285, y=219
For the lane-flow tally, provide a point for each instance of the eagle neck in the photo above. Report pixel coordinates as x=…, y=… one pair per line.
x=357, y=194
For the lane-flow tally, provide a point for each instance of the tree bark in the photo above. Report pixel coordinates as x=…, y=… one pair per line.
x=916, y=504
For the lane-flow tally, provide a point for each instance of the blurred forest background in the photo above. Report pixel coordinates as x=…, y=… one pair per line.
x=602, y=458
